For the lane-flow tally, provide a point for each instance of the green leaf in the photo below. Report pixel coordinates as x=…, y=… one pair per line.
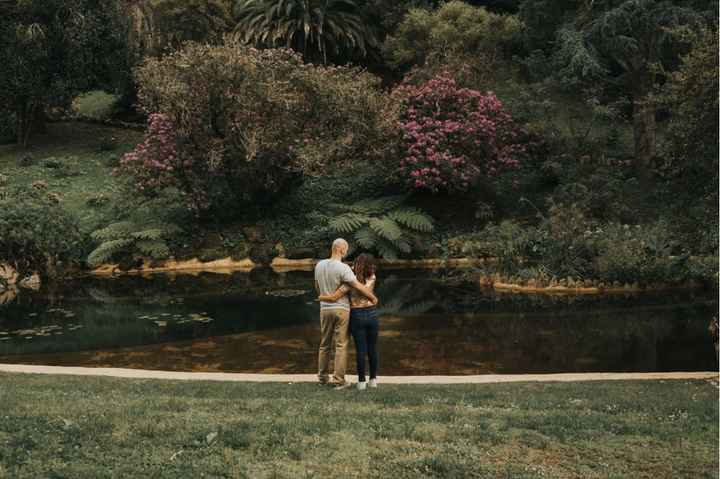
x=154, y=249
x=114, y=231
x=366, y=238
x=386, y=227
x=413, y=219
x=347, y=223
x=386, y=249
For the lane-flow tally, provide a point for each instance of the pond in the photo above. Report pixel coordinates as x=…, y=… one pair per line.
x=432, y=322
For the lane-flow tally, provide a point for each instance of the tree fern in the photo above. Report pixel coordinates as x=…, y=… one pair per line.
x=127, y=238
x=107, y=250
x=382, y=225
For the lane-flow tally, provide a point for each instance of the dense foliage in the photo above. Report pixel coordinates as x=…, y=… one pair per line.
x=630, y=43
x=54, y=49
x=692, y=96
x=241, y=122
x=454, y=136
x=467, y=40
x=571, y=247
x=36, y=234
x=161, y=25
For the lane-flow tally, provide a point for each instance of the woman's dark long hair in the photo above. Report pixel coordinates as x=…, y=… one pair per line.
x=364, y=267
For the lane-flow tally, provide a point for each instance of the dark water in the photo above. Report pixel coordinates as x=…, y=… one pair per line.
x=431, y=323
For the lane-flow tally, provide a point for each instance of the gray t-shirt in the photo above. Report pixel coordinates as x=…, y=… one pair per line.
x=330, y=274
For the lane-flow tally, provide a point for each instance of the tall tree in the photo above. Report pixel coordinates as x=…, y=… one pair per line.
x=319, y=29
x=54, y=49
x=631, y=43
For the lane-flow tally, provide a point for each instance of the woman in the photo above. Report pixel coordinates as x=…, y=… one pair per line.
x=364, y=324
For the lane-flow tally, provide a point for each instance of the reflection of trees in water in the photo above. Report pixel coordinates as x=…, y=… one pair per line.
x=402, y=298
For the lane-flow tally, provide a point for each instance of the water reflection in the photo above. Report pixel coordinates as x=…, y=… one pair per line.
x=431, y=324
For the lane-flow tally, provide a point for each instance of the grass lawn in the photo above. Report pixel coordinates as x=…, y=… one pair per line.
x=66, y=427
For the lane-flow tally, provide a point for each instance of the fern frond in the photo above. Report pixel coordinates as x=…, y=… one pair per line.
x=390, y=307
x=386, y=249
x=106, y=250
x=113, y=231
x=156, y=249
x=366, y=238
x=419, y=307
x=348, y=222
x=372, y=206
x=149, y=234
x=170, y=229
x=413, y=218
x=386, y=228
x=403, y=245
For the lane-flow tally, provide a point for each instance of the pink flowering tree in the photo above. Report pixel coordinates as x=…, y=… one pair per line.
x=453, y=136
x=156, y=163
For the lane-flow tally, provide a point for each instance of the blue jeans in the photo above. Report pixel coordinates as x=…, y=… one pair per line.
x=364, y=327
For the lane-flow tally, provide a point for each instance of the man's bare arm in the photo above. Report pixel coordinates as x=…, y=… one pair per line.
x=364, y=291
x=339, y=293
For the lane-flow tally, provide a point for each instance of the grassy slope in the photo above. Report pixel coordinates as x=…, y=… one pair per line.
x=75, y=145
x=101, y=427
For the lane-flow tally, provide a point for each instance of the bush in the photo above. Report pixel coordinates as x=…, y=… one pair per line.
x=454, y=136
x=258, y=118
x=467, y=40
x=567, y=244
x=35, y=233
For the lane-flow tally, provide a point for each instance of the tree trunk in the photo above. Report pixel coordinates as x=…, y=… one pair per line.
x=644, y=131
x=644, y=125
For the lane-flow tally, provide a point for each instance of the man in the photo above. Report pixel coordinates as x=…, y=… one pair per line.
x=335, y=316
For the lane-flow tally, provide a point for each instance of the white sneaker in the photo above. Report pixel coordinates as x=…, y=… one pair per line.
x=345, y=385
x=373, y=383
x=361, y=385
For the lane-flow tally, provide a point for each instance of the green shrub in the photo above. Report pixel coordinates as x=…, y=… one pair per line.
x=259, y=118
x=568, y=244
x=466, y=40
x=36, y=234
x=382, y=225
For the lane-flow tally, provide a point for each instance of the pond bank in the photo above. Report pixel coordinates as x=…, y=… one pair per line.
x=299, y=378
x=499, y=283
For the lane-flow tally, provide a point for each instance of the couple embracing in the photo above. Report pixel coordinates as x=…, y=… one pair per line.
x=347, y=305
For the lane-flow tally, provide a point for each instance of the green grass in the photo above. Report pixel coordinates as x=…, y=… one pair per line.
x=95, y=104
x=77, y=146
x=101, y=427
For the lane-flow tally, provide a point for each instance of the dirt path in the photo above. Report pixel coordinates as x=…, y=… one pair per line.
x=295, y=378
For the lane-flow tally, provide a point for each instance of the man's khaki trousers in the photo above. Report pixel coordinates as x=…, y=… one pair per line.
x=334, y=324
